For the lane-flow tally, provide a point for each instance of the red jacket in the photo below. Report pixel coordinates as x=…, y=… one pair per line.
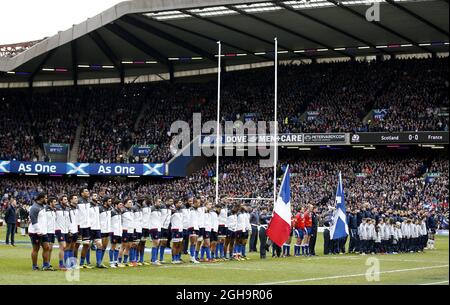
x=299, y=221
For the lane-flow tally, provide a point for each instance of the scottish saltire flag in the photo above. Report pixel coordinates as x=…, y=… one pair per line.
x=154, y=169
x=77, y=169
x=4, y=166
x=280, y=226
x=339, y=229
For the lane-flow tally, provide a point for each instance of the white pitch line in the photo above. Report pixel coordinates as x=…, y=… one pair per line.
x=240, y=269
x=435, y=283
x=410, y=261
x=381, y=258
x=214, y=266
x=187, y=266
x=350, y=275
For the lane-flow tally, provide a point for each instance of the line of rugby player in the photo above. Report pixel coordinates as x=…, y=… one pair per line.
x=208, y=233
x=302, y=229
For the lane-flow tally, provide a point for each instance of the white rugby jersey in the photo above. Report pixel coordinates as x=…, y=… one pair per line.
x=94, y=217
x=394, y=234
x=155, y=219
x=193, y=219
x=137, y=219
x=399, y=233
x=382, y=231
x=371, y=232
x=248, y=226
x=186, y=217
x=410, y=229
x=165, y=217
x=127, y=220
x=105, y=220
x=415, y=231
x=223, y=215
x=404, y=229
x=146, y=211
x=62, y=219
x=51, y=220
x=241, y=222
x=83, y=213
x=232, y=222
x=201, y=216
x=176, y=220
x=377, y=237
x=362, y=231
x=214, y=221
x=116, y=223
x=207, y=222
x=423, y=229
x=388, y=231
x=38, y=220
x=73, y=220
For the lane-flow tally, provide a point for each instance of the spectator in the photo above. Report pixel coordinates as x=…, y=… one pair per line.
x=11, y=220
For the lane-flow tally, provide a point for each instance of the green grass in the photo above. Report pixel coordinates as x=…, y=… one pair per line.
x=421, y=268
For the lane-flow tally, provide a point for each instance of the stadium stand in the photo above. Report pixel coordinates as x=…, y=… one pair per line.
x=17, y=140
x=413, y=93
x=108, y=124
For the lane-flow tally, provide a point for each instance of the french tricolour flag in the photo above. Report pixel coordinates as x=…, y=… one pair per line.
x=280, y=226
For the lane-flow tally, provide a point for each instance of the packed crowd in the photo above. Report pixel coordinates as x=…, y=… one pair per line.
x=55, y=115
x=414, y=97
x=17, y=140
x=384, y=180
x=108, y=124
x=331, y=97
x=166, y=104
x=340, y=99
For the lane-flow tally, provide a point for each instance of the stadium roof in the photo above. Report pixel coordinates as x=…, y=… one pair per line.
x=145, y=37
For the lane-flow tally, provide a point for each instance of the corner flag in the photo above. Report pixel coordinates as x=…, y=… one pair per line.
x=339, y=228
x=280, y=226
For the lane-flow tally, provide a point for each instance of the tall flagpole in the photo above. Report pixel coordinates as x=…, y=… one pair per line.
x=218, y=143
x=275, y=157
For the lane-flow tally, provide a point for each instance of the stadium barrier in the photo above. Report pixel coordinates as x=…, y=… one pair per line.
x=312, y=139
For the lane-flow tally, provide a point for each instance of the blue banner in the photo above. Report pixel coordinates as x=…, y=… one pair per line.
x=116, y=169
x=83, y=169
x=37, y=168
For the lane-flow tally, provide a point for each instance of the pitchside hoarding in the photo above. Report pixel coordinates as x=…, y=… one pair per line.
x=310, y=139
